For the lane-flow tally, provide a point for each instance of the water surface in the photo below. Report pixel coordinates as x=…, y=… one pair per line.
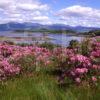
x=25, y=37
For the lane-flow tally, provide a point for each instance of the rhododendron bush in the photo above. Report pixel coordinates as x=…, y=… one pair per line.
x=78, y=66
x=14, y=58
x=74, y=63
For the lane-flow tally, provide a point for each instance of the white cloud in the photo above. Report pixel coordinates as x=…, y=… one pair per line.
x=23, y=11
x=32, y=6
x=37, y=12
x=79, y=15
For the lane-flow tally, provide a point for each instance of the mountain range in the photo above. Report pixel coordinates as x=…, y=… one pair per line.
x=12, y=26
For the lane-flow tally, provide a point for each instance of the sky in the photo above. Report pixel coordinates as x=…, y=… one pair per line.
x=69, y=12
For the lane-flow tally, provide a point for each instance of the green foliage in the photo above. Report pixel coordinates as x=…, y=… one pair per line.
x=46, y=30
x=26, y=63
x=95, y=32
x=48, y=45
x=85, y=47
x=24, y=44
x=73, y=44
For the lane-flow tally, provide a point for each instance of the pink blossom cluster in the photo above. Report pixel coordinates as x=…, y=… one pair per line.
x=13, y=53
x=95, y=50
x=79, y=67
x=97, y=67
x=42, y=55
x=81, y=60
x=7, y=69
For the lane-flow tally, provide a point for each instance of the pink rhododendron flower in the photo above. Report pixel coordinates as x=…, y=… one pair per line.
x=95, y=66
x=94, y=79
x=78, y=80
x=81, y=70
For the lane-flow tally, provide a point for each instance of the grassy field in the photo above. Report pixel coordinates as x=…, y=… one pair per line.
x=42, y=86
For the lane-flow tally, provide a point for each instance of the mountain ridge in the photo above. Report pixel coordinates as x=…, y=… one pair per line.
x=11, y=26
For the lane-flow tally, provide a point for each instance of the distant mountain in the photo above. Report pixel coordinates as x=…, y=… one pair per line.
x=18, y=26
x=12, y=26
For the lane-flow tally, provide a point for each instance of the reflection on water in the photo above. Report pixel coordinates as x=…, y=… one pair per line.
x=61, y=39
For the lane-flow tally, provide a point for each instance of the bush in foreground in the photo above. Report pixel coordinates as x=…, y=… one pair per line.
x=74, y=63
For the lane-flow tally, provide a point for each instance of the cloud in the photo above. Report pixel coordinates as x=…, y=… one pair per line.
x=79, y=15
x=23, y=11
x=37, y=12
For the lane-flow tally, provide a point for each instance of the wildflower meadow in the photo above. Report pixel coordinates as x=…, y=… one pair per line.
x=57, y=73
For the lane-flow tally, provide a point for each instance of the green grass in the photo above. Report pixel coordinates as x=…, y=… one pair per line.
x=41, y=86
x=98, y=39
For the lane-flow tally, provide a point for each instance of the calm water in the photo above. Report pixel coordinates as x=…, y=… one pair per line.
x=25, y=37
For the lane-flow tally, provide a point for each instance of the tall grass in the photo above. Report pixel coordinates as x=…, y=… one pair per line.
x=41, y=86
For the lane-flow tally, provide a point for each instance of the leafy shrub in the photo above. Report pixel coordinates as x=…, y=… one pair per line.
x=48, y=45
x=74, y=44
